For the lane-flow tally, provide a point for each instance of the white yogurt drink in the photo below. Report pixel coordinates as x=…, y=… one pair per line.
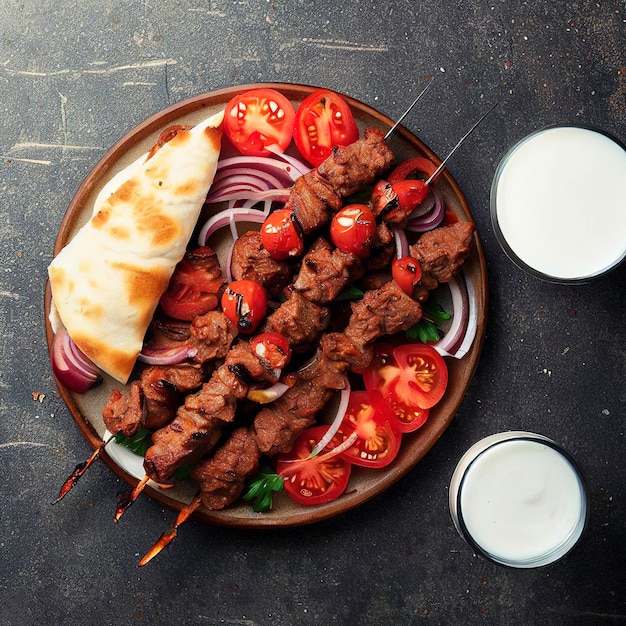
x=518, y=499
x=558, y=203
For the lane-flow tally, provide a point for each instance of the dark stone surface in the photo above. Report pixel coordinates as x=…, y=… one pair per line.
x=75, y=76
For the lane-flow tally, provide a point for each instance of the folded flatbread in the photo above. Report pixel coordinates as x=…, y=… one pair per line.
x=106, y=283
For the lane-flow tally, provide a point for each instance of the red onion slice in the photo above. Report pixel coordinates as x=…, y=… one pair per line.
x=401, y=241
x=70, y=365
x=265, y=396
x=301, y=167
x=344, y=399
x=166, y=355
x=226, y=218
x=460, y=336
x=429, y=220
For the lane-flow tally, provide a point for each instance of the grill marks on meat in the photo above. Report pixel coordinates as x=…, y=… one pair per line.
x=351, y=167
x=300, y=321
x=152, y=400
x=251, y=261
x=197, y=425
x=325, y=272
x=442, y=251
x=317, y=194
x=223, y=477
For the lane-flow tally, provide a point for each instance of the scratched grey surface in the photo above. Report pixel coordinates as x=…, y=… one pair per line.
x=75, y=75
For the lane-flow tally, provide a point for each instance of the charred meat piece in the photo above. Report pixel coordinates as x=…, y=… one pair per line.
x=339, y=347
x=383, y=311
x=351, y=167
x=442, y=251
x=277, y=426
x=123, y=413
x=251, y=261
x=325, y=272
x=211, y=336
x=197, y=425
x=222, y=477
x=301, y=322
x=312, y=200
x=163, y=388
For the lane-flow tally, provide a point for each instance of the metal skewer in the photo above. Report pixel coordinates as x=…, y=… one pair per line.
x=390, y=131
x=434, y=175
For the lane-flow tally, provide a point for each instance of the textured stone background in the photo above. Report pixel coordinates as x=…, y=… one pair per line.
x=75, y=75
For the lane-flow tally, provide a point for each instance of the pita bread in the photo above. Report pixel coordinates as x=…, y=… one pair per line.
x=106, y=283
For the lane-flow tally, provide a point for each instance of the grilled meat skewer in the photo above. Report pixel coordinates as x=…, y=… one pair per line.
x=383, y=311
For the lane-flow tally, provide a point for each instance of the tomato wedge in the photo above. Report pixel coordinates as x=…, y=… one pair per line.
x=379, y=435
x=315, y=480
x=194, y=288
x=411, y=168
x=411, y=379
x=323, y=120
x=257, y=119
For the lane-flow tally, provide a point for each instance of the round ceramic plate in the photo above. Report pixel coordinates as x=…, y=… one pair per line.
x=365, y=483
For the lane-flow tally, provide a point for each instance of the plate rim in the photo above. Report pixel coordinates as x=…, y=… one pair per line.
x=304, y=515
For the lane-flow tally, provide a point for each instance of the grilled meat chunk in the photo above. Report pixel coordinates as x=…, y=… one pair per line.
x=301, y=322
x=222, y=477
x=251, y=261
x=312, y=200
x=383, y=311
x=123, y=413
x=197, y=425
x=211, y=336
x=325, y=272
x=442, y=251
x=351, y=167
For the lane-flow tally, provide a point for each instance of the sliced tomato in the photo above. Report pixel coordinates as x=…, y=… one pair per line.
x=352, y=229
x=412, y=168
x=195, y=286
x=323, y=120
x=273, y=347
x=407, y=272
x=259, y=118
x=280, y=235
x=244, y=303
x=383, y=376
x=315, y=480
x=379, y=435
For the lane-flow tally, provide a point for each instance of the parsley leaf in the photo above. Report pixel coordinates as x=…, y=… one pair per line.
x=349, y=293
x=261, y=487
x=426, y=329
x=137, y=443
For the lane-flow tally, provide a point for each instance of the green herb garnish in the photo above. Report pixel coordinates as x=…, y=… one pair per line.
x=349, y=293
x=137, y=443
x=426, y=330
x=260, y=489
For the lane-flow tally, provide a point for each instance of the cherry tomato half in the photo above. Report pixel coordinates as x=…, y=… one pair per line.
x=280, y=235
x=273, y=348
x=194, y=288
x=323, y=120
x=407, y=272
x=244, y=303
x=379, y=434
x=352, y=229
x=316, y=480
x=381, y=376
x=259, y=118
